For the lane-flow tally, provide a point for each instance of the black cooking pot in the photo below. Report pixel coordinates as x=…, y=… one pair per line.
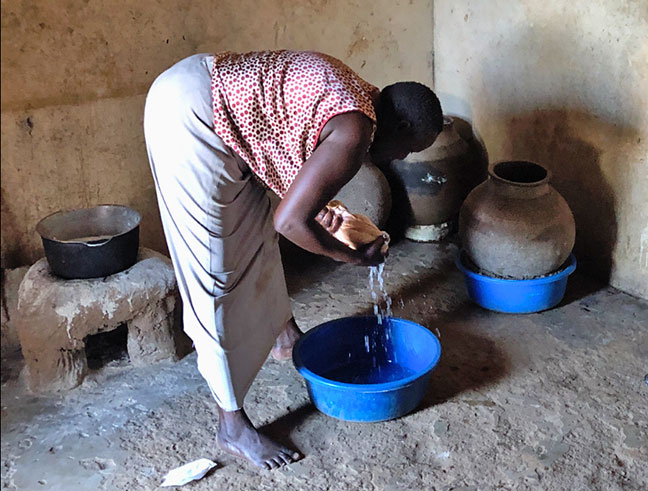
x=90, y=242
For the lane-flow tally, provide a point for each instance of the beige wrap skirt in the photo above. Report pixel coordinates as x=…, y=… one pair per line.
x=218, y=224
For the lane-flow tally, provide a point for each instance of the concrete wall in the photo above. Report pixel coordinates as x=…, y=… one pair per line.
x=564, y=84
x=75, y=75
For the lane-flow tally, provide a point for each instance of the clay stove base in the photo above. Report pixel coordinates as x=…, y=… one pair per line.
x=56, y=316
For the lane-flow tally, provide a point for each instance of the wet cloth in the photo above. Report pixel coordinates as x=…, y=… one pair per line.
x=218, y=225
x=271, y=106
x=356, y=230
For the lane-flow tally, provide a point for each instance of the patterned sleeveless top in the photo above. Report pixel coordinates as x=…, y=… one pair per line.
x=270, y=107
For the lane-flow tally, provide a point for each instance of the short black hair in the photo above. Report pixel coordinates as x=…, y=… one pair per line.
x=412, y=102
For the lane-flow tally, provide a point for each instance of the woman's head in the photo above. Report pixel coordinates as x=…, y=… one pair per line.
x=409, y=120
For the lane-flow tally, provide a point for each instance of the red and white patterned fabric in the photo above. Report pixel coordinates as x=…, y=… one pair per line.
x=270, y=107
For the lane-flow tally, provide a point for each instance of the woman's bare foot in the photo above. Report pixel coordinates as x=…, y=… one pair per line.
x=237, y=436
x=282, y=350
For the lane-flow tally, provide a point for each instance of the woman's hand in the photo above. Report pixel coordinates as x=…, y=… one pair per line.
x=330, y=220
x=371, y=254
x=375, y=252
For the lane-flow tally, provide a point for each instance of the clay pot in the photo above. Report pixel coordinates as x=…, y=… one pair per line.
x=515, y=225
x=368, y=193
x=435, y=182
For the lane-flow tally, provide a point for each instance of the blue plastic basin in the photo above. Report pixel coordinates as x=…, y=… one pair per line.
x=516, y=296
x=357, y=370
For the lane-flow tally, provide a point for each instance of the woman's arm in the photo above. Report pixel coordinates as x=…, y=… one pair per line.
x=334, y=162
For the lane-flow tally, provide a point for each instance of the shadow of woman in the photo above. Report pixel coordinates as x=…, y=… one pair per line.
x=468, y=360
x=281, y=428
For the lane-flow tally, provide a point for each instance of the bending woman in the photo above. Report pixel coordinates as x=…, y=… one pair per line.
x=220, y=130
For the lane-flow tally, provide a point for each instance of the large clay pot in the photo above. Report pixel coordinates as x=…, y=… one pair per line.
x=368, y=193
x=515, y=225
x=435, y=182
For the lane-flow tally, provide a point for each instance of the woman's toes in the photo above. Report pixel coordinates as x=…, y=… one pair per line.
x=285, y=459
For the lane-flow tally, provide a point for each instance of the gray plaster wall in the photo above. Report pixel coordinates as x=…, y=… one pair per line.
x=75, y=76
x=564, y=84
x=10, y=280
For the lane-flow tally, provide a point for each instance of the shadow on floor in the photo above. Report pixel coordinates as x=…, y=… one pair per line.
x=468, y=360
x=579, y=286
x=281, y=428
x=302, y=268
x=11, y=365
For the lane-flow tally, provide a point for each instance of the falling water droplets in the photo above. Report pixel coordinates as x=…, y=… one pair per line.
x=381, y=363
x=382, y=302
x=378, y=341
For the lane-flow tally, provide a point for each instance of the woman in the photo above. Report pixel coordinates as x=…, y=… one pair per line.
x=220, y=130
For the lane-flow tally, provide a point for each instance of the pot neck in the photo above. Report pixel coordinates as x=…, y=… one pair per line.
x=520, y=179
x=448, y=135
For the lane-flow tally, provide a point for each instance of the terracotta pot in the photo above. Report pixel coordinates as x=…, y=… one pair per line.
x=368, y=193
x=515, y=225
x=435, y=182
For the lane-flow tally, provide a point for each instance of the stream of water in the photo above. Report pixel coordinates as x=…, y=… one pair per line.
x=378, y=363
x=381, y=299
x=378, y=344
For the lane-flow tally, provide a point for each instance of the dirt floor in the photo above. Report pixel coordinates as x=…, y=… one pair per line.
x=555, y=400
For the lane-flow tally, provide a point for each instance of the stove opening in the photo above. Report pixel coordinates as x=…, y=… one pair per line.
x=107, y=348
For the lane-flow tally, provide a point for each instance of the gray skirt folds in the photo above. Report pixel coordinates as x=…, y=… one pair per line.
x=218, y=224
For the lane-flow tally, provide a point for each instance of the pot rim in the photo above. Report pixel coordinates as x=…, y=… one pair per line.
x=493, y=175
x=45, y=235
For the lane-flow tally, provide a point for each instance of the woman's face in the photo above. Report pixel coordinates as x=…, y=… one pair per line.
x=388, y=147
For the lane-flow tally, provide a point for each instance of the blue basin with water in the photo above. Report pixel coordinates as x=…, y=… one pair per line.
x=358, y=370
